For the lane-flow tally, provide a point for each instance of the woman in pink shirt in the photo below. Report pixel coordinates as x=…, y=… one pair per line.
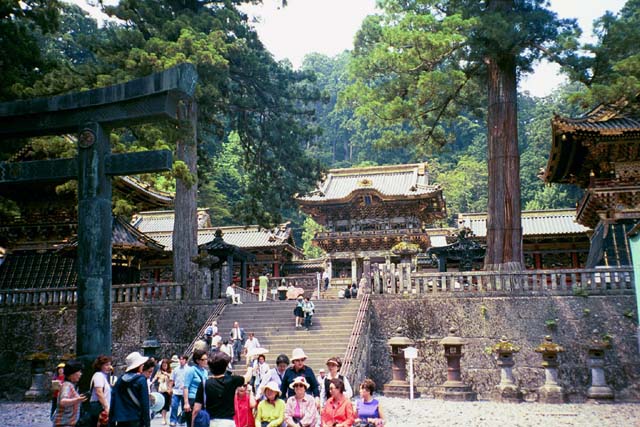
x=338, y=410
x=300, y=410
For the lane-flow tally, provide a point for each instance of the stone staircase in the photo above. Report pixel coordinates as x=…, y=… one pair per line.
x=273, y=324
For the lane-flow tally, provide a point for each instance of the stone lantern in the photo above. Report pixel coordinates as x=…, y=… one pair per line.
x=551, y=391
x=399, y=386
x=599, y=389
x=454, y=388
x=38, y=390
x=507, y=390
x=150, y=346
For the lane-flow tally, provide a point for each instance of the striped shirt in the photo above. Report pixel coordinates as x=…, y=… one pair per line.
x=67, y=415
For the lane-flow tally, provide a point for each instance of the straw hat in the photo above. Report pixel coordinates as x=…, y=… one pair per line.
x=60, y=365
x=300, y=380
x=272, y=385
x=175, y=359
x=298, y=354
x=134, y=360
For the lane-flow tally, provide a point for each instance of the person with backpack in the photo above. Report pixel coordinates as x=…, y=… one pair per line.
x=130, y=395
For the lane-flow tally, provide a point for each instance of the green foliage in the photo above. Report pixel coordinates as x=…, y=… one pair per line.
x=609, y=69
x=22, y=25
x=309, y=229
x=580, y=292
x=465, y=185
x=551, y=323
x=181, y=171
x=483, y=311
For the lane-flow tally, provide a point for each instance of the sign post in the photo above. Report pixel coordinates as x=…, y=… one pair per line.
x=410, y=353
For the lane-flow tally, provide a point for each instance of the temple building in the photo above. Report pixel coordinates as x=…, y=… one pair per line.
x=39, y=243
x=600, y=153
x=551, y=239
x=368, y=211
x=255, y=249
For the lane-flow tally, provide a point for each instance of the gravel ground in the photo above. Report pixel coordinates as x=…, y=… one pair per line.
x=427, y=412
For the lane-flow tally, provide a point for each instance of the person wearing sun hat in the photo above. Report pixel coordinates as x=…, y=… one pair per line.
x=334, y=364
x=56, y=384
x=299, y=370
x=271, y=409
x=300, y=409
x=130, y=395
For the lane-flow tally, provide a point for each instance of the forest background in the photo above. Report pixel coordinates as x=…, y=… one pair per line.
x=267, y=131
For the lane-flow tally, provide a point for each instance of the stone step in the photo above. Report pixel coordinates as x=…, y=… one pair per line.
x=272, y=322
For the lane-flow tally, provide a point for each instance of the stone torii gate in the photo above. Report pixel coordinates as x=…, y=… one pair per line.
x=91, y=115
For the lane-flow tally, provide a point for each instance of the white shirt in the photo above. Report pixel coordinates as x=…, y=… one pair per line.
x=251, y=344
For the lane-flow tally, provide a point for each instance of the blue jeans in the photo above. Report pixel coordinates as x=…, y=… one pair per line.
x=176, y=403
x=307, y=320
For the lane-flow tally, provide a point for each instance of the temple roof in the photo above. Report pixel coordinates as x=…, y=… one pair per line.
x=159, y=226
x=125, y=237
x=584, y=147
x=534, y=223
x=389, y=182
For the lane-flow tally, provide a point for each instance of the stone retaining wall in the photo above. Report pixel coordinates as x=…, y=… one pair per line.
x=482, y=321
x=53, y=331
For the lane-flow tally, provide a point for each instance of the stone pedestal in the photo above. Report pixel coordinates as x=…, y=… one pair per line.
x=454, y=388
x=39, y=382
x=399, y=386
x=551, y=391
x=599, y=390
x=506, y=390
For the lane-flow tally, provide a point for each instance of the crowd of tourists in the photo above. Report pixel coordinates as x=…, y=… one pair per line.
x=206, y=392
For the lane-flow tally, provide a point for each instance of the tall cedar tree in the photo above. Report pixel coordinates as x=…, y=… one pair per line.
x=241, y=89
x=422, y=62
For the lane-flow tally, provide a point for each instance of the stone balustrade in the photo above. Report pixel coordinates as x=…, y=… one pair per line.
x=136, y=292
x=401, y=280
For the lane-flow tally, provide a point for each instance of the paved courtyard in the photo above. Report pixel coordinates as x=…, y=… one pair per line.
x=427, y=412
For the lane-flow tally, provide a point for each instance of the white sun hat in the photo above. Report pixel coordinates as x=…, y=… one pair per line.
x=134, y=360
x=298, y=354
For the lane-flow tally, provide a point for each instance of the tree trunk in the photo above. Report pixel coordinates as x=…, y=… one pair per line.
x=185, y=227
x=504, y=228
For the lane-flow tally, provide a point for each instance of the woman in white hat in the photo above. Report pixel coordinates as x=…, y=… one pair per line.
x=271, y=409
x=300, y=409
x=299, y=370
x=130, y=395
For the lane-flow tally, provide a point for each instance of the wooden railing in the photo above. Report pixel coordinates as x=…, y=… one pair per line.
x=137, y=292
x=356, y=348
x=612, y=280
